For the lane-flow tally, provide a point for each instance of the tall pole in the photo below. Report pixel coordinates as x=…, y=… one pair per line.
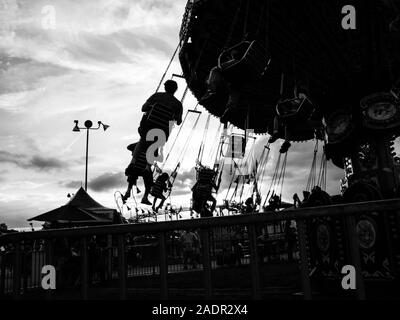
x=88, y=126
x=87, y=156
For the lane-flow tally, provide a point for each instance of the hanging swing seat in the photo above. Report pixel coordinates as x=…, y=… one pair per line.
x=205, y=176
x=157, y=189
x=251, y=61
x=201, y=194
x=200, y=207
x=236, y=147
x=203, y=191
x=295, y=109
x=196, y=206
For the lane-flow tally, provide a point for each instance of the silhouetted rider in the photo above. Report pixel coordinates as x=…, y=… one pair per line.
x=133, y=174
x=168, y=100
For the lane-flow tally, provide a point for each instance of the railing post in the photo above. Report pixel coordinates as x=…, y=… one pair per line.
x=255, y=272
x=355, y=256
x=110, y=256
x=122, y=267
x=38, y=255
x=206, y=261
x=305, y=276
x=163, y=265
x=2, y=274
x=84, y=268
x=49, y=261
x=17, y=271
x=24, y=276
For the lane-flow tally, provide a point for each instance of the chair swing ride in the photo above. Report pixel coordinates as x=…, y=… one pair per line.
x=288, y=69
x=291, y=70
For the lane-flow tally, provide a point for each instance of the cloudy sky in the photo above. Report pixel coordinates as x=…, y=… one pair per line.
x=66, y=60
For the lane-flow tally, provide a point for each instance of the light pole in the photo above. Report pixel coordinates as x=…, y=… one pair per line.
x=88, y=127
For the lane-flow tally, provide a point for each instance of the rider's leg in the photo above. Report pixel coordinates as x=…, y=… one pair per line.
x=161, y=203
x=132, y=179
x=233, y=102
x=214, y=81
x=214, y=203
x=154, y=204
x=148, y=182
x=275, y=131
x=127, y=193
x=286, y=145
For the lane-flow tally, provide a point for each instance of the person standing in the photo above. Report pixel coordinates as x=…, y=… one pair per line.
x=188, y=240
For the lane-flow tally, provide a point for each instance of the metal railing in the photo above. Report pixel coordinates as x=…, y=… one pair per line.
x=121, y=257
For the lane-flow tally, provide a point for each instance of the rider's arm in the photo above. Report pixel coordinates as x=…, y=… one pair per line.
x=168, y=185
x=179, y=115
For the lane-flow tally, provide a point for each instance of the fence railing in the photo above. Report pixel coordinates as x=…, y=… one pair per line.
x=240, y=244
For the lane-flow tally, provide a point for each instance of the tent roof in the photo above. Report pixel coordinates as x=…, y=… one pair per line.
x=81, y=208
x=82, y=200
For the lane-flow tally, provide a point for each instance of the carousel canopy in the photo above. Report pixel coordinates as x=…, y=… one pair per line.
x=284, y=46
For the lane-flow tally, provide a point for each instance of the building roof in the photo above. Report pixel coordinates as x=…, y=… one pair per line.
x=82, y=208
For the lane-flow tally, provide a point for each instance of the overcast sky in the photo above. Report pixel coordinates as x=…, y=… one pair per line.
x=66, y=60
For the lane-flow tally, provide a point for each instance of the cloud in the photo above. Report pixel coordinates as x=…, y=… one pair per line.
x=8, y=157
x=16, y=212
x=71, y=184
x=101, y=62
x=111, y=181
x=184, y=182
x=107, y=181
x=92, y=34
x=43, y=163
x=34, y=73
x=36, y=162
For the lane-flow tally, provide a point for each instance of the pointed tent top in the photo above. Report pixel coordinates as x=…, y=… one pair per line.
x=82, y=200
x=81, y=207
